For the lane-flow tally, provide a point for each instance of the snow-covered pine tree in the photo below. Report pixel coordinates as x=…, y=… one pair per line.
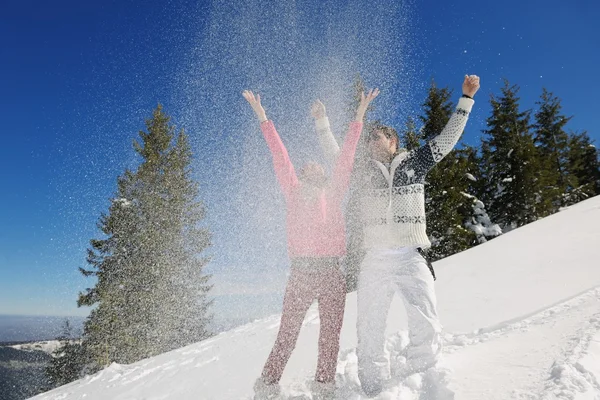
x=480, y=222
x=475, y=214
x=151, y=291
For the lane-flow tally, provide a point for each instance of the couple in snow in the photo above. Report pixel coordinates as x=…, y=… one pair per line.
x=391, y=202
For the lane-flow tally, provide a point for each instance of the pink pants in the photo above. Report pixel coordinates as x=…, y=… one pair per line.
x=311, y=278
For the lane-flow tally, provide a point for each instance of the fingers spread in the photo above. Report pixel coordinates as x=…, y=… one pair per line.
x=372, y=94
x=249, y=96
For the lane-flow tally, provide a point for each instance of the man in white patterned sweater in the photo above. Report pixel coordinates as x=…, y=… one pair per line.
x=392, y=208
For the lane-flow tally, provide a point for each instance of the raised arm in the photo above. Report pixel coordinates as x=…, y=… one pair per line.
x=256, y=105
x=345, y=162
x=284, y=170
x=329, y=145
x=438, y=147
x=442, y=144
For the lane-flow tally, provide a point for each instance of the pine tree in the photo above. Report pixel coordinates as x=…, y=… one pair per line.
x=474, y=212
x=437, y=110
x=445, y=202
x=68, y=361
x=410, y=138
x=552, y=140
x=151, y=290
x=511, y=164
x=583, y=167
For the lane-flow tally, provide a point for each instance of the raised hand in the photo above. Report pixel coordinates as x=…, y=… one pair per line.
x=470, y=85
x=255, y=104
x=317, y=110
x=364, y=103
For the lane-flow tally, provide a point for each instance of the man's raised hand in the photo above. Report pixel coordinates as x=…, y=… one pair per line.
x=470, y=85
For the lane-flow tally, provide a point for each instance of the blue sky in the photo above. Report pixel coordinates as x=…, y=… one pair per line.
x=79, y=78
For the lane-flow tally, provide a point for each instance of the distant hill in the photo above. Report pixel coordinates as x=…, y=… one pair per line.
x=22, y=373
x=25, y=328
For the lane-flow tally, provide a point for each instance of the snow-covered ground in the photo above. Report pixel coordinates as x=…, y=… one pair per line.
x=47, y=346
x=521, y=316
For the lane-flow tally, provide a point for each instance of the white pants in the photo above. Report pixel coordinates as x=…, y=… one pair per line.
x=382, y=273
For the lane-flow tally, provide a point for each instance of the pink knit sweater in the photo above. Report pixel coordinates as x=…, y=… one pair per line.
x=315, y=228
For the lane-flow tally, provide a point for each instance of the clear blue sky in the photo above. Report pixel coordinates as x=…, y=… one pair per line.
x=79, y=78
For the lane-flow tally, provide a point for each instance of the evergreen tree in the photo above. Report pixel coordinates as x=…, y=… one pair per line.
x=445, y=202
x=68, y=361
x=511, y=164
x=151, y=290
x=583, y=167
x=410, y=139
x=474, y=212
x=473, y=173
x=480, y=222
x=552, y=140
x=437, y=110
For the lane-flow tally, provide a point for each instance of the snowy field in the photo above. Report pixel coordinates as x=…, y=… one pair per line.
x=521, y=316
x=47, y=346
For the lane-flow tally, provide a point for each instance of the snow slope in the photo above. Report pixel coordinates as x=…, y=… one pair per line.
x=521, y=316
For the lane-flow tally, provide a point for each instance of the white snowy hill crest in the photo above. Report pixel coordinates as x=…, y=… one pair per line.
x=521, y=316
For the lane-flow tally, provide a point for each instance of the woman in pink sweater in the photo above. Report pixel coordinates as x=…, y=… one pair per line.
x=316, y=242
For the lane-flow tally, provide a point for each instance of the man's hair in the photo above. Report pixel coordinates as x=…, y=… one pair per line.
x=388, y=131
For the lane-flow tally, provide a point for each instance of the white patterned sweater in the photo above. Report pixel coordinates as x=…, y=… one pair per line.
x=392, y=197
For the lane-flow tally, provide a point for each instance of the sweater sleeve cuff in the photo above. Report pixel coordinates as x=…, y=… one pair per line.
x=465, y=103
x=322, y=123
x=267, y=128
